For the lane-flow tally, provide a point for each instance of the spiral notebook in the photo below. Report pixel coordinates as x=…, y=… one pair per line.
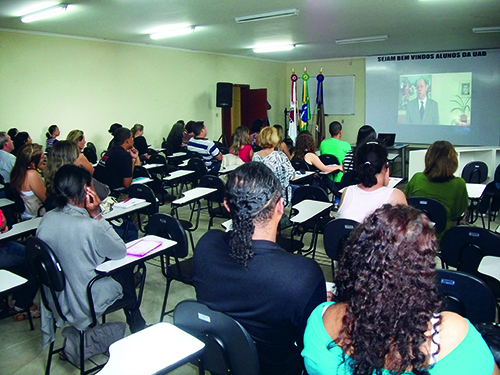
x=142, y=247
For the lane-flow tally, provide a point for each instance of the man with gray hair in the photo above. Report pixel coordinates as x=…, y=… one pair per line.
x=7, y=160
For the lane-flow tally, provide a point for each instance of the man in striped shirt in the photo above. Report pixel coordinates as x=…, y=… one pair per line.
x=207, y=149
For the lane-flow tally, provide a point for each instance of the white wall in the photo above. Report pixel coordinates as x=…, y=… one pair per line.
x=88, y=85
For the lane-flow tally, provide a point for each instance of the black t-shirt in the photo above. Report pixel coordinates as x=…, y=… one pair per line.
x=141, y=145
x=272, y=299
x=113, y=167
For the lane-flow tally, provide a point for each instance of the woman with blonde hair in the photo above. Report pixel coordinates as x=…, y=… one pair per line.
x=26, y=181
x=241, y=146
x=277, y=161
x=437, y=181
x=78, y=137
x=140, y=143
x=282, y=145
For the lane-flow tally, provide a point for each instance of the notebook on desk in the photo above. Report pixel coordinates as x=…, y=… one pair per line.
x=142, y=247
x=387, y=138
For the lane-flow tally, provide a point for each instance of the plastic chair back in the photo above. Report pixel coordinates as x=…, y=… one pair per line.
x=466, y=295
x=309, y=192
x=229, y=349
x=300, y=165
x=328, y=159
x=169, y=227
x=90, y=152
x=335, y=236
x=144, y=192
x=47, y=271
x=214, y=182
x=198, y=166
x=475, y=172
x=434, y=210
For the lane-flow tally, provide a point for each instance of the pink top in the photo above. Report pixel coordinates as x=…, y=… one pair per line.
x=244, y=153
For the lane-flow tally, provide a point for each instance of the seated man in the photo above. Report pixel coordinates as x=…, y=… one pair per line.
x=206, y=148
x=334, y=146
x=7, y=160
x=116, y=167
x=82, y=240
x=247, y=276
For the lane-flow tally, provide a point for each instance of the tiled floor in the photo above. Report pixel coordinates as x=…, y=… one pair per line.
x=21, y=352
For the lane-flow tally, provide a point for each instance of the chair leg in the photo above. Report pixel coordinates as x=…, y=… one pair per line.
x=49, y=359
x=82, y=352
x=164, y=306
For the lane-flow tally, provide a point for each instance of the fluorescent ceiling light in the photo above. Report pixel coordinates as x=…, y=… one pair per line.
x=45, y=13
x=273, y=48
x=267, y=16
x=172, y=32
x=378, y=38
x=481, y=30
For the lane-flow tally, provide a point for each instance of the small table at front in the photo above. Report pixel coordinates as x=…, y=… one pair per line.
x=155, y=350
x=309, y=209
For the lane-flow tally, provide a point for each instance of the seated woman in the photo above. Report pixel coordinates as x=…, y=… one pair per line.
x=438, y=182
x=241, y=146
x=282, y=145
x=372, y=167
x=78, y=137
x=19, y=140
x=26, y=181
x=111, y=131
x=305, y=150
x=275, y=160
x=175, y=137
x=387, y=316
x=140, y=143
x=82, y=239
x=255, y=129
x=52, y=135
x=365, y=133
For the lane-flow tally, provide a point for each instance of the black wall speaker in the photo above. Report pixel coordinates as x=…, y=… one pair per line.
x=224, y=95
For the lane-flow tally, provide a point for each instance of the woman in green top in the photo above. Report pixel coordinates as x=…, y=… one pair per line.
x=438, y=182
x=387, y=317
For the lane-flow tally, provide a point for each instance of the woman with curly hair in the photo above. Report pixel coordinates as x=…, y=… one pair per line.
x=252, y=279
x=372, y=167
x=386, y=318
x=241, y=147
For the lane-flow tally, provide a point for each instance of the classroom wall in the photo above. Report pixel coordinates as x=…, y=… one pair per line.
x=337, y=67
x=90, y=84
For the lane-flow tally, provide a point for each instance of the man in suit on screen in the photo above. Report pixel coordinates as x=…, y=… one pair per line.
x=422, y=110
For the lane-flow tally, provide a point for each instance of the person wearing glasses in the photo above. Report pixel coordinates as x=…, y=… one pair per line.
x=372, y=168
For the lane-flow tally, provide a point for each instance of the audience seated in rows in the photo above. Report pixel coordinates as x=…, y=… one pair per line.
x=26, y=180
x=437, y=181
x=247, y=276
x=207, y=149
x=276, y=161
x=372, y=167
x=387, y=318
x=336, y=147
x=82, y=241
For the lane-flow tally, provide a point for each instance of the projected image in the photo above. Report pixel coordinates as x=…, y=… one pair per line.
x=435, y=99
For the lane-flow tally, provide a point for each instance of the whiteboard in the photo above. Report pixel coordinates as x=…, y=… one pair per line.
x=338, y=94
